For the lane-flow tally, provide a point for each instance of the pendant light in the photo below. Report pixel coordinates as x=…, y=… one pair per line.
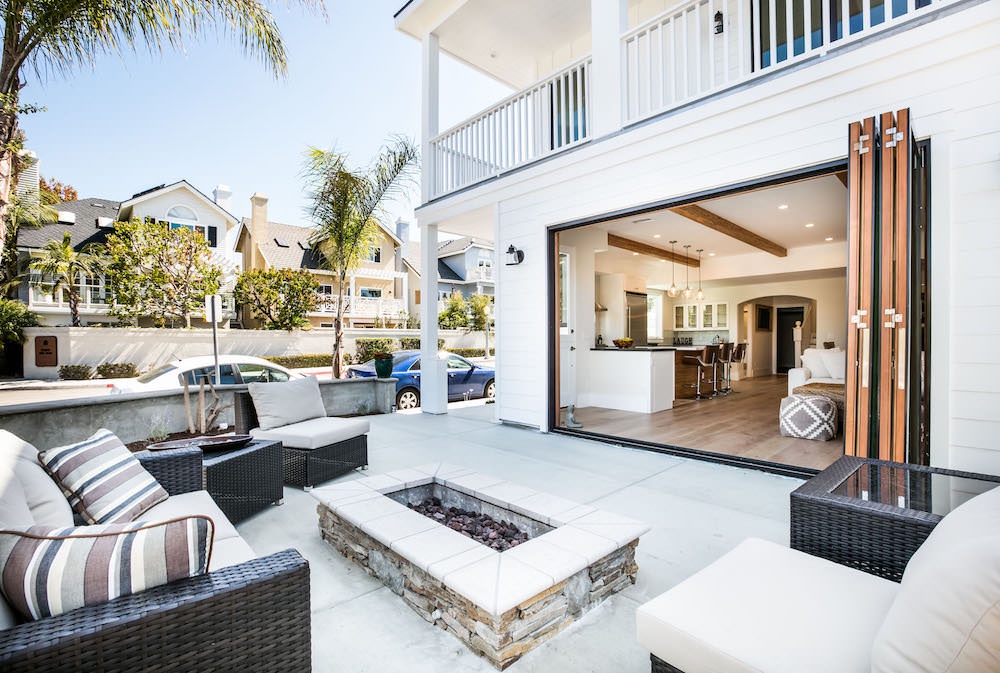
x=687, y=273
x=673, y=291
x=701, y=293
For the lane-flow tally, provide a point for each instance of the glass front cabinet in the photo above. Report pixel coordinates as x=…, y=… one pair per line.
x=701, y=316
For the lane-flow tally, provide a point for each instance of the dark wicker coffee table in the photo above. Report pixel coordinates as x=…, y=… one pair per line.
x=872, y=514
x=245, y=481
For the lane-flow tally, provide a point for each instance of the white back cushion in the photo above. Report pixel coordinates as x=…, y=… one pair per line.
x=946, y=616
x=286, y=402
x=812, y=359
x=835, y=361
x=45, y=499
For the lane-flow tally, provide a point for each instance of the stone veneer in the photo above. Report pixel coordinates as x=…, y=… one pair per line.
x=500, y=605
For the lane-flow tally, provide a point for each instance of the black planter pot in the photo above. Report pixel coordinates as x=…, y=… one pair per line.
x=383, y=368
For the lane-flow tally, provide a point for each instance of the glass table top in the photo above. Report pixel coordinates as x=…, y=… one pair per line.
x=911, y=489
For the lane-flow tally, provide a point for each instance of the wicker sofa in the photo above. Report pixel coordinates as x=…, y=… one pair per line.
x=246, y=613
x=765, y=608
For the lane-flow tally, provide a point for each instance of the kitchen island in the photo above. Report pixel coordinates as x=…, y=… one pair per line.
x=630, y=379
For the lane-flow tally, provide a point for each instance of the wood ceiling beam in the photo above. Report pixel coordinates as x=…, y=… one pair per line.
x=842, y=176
x=651, y=250
x=731, y=229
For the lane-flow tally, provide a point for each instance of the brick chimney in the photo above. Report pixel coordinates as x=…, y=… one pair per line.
x=258, y=229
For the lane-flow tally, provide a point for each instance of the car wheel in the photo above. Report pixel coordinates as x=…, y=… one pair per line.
x=408, y=398
x=490, y=391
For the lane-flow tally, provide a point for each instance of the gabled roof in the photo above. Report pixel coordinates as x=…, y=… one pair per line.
x=460, y=245
x=411, y=255
x=82, y=232
x=287, y=246
x=446, y=273
x=164, y=189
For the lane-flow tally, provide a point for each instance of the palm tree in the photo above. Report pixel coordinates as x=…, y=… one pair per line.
x=58, y=35
x=344, y=207
x=23, y=212
x=60, y=267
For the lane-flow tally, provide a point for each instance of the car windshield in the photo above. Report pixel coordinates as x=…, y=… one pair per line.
x=153, y=373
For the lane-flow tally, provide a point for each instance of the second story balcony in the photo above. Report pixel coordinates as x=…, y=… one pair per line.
x=583, y=69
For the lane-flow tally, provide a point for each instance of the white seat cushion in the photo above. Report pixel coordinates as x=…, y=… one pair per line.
x=285, y=402
x=826, y=379
x=764, y=608
x=229, y=552
x=46, y=501
x=315, y=432
x=192, y=504
x=947, y=614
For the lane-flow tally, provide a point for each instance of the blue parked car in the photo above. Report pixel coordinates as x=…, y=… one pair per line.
x=465, y=379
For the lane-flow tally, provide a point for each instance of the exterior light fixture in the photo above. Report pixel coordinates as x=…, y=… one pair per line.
x=673, y=291
x=687, y=274
x=514, y=256
x=719, y=26
x=701, y=293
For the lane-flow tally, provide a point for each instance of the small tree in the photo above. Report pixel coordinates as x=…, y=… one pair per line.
x=344, y=206
x=22, y=212
x=479, y=315
x=159, y=272
x=60, y=268
x=14, y=317
x=280, y=298
x=456, y=312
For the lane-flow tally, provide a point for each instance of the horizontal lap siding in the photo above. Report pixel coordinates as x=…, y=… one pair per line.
x=947, y=71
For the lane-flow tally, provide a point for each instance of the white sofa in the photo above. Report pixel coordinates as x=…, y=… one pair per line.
x=819, y=365
x=765, y=608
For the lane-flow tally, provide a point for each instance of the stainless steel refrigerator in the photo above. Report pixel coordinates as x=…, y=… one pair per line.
x=635, y=317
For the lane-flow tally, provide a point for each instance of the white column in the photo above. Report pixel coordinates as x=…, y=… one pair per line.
x=406, y=292
x=433, y=372
x=429, y=101
x=608, y=21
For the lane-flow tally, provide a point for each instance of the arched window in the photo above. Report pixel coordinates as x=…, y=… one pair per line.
x=182, y=213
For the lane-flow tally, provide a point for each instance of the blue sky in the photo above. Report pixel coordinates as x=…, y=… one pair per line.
x=211, y=115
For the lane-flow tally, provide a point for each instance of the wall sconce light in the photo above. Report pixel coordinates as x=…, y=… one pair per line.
x=719, y=27
x=514, y=256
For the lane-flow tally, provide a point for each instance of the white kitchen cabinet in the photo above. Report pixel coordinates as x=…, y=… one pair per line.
x=714, y=316
x=701, y=316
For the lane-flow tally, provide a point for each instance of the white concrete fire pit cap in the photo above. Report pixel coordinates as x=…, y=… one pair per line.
x=494, y=581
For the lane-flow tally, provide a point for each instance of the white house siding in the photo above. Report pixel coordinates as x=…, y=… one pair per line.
x=946, y=70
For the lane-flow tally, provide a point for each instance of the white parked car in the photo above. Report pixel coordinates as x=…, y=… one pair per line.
x=232, y=369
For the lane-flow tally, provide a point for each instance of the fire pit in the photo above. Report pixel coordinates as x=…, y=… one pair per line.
x=500, y=604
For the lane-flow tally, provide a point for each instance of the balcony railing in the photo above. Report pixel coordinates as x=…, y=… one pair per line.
x=94, y=299
x=681, y=55
x=360, y=307
x=543, y=119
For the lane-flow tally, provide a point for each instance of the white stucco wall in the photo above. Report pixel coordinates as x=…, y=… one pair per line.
x=946, y=70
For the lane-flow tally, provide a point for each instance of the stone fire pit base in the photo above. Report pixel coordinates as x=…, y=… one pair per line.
x=501, y=605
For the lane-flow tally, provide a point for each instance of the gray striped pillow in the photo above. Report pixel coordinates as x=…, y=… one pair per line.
x=48, y=571
x=103, y=481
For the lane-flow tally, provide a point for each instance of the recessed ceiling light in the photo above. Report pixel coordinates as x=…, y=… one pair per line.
x=664, y=261
x=635, y=254
x=810, y=225
x=641, y=220
x=711, y=254
x=783, y=206
x=829, y=238
x=656, y=235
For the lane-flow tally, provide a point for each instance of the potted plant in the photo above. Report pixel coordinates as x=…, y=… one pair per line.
x=383, y=365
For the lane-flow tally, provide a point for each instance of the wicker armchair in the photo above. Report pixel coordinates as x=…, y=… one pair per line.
x=254, y=616
x=305, y=468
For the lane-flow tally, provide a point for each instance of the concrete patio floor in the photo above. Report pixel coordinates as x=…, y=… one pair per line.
x=698, y=511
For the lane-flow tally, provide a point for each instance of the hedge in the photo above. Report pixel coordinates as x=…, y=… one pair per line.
x=306, y=361
x=76, y=372
x=472, y=352
x=367, y=347
x=117, y=370
x=413, y=343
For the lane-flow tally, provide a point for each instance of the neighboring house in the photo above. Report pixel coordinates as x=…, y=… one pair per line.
x=730, y=129
x=376, y=294
x=465, y=264
x=91, y=220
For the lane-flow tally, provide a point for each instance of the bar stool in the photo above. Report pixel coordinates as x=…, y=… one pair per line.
x=705, y=360
x=725, y=361
x=739, y=352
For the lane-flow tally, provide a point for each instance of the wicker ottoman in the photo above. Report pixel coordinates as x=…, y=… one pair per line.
x=808, y=417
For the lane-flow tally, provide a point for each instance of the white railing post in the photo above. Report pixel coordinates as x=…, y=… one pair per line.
x=433, y=373
x=608, y=21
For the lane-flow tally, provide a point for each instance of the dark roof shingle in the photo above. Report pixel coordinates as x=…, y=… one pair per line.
x=82, y=232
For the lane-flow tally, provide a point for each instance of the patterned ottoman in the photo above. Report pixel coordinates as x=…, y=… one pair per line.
x=808, y=417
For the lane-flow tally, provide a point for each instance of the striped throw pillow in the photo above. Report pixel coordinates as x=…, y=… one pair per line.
x=48, y=571
x=103, y=481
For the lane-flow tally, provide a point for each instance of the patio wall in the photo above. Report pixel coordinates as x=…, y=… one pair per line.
x=133, y=416
x=150, y=347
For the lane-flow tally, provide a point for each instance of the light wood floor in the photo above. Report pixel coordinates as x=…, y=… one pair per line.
x=743, y=423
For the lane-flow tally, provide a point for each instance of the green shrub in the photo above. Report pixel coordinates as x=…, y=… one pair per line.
x=471, y=352
x=76, y=372
x=413, y=343
x=14, y=317
x=367, y=347
x=117, y=370
x=305, y=361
